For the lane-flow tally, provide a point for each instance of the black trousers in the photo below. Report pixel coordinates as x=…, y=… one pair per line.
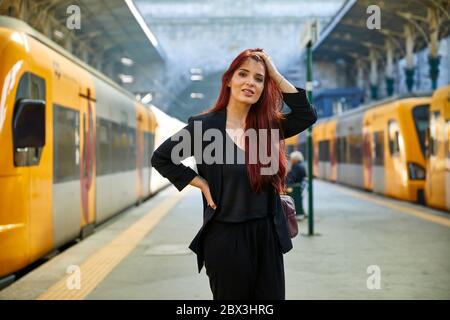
x=244, y=260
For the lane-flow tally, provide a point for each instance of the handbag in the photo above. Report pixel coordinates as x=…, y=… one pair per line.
x=288, y=205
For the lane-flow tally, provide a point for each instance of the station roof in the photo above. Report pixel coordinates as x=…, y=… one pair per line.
x=347, y=37
x=113, y=27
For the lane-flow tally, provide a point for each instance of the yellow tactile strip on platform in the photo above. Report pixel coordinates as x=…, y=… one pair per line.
x=101, y=263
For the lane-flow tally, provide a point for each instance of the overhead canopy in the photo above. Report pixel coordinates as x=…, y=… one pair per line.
x=347, y=36
x=110, y=28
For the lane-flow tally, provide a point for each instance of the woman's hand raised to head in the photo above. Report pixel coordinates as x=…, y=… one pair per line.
x=202, y=184
x=273, y=72
x=282, y=83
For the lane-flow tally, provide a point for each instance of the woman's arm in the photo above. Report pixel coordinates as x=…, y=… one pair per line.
x=303, y=114
x=203, y=185
x=177, y=173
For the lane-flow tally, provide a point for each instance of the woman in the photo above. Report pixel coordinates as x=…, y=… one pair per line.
x=244, y=232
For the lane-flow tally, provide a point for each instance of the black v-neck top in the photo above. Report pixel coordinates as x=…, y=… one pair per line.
x=239, y=202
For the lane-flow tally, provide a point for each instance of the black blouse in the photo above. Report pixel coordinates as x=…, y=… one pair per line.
x=239, y=202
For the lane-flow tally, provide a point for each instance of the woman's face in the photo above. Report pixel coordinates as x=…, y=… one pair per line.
x=247, y=82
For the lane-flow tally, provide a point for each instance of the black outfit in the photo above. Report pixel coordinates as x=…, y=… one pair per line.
x=257, y=244
x=239, y=202
x=297, y=174
x=244, y=260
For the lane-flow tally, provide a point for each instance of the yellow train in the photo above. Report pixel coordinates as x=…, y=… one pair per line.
x=437, y=186
x=398, y=147
x=75, y=147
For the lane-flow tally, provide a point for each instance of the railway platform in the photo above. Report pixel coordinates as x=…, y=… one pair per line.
x=365, y=247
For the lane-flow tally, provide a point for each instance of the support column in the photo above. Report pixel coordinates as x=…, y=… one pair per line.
x=409, y=69
x=389, y=68
x=84, y=54
x=434, y=58
x=68, y=43
x=373, y=74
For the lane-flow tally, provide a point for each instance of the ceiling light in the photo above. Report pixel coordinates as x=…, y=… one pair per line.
x=126, y=78
x=147, y=98
x=58, y=34
x=196, y=77
x=126, y=61
x=197, y=95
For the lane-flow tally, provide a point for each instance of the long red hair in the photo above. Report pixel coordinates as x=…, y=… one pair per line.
x=264, y=114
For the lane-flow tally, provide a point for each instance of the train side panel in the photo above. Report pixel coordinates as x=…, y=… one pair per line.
x=349, y=141
x=116, y=151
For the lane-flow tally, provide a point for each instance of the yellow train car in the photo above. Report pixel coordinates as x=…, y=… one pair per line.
x=75, y=147
x=394, y=148
x=437, y=188
x=378, y=147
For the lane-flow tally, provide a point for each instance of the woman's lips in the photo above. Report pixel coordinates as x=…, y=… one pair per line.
x=248, y=92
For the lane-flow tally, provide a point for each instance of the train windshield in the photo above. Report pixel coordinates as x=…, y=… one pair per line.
x=421, y=117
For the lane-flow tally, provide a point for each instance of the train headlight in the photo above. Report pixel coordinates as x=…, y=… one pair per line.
x=416, y=172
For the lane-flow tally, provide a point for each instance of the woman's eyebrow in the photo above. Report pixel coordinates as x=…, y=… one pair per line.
x=258, y=74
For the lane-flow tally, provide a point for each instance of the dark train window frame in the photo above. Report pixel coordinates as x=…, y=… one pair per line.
x=378, y=148
x=103, y=167
x=341, y=148
x=324, y=150
x=355, y=154
x=394, y=145
x=421, y=134
x=31, y=86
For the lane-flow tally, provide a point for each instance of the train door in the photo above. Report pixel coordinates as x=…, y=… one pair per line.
x=33, y=163
x=394, y=168
x=87, y=160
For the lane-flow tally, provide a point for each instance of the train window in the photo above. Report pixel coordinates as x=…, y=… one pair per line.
x=30, y=87
x=421, y=119
x=394, y=146
x=103, y=151
x=116, y=148
x=340, y=148
x=131, y=163
x=355, y=148
x=150, y=146
x=324, y=150
x=378, y=148
x=66, y=148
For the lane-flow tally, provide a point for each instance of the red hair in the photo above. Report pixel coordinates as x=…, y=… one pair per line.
x=264, y=114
